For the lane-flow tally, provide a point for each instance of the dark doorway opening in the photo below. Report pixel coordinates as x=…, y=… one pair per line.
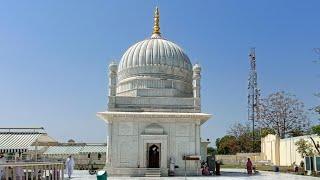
x=154, y=156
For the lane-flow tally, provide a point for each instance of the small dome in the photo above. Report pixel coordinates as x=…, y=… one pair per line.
x=113, y=67
x=71, y=141
x=196, y=67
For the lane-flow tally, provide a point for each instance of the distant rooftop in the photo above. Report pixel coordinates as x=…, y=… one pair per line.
x=76, y=149
x=20, y=139
x=29, y=130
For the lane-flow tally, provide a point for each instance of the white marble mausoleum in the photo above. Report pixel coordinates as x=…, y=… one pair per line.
x=154, y=109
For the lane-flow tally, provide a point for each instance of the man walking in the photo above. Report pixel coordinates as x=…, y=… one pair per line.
x=69, y=166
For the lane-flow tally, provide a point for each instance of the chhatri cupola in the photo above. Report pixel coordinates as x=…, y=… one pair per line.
x=154, y=67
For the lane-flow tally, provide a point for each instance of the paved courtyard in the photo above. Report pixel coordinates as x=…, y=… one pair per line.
x=226, y=174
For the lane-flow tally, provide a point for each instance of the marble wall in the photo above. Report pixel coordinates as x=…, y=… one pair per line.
x=130, y=138
x=283, y=152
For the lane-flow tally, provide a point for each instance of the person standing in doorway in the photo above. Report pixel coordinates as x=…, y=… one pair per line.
x=69, y=166
x=249, y=166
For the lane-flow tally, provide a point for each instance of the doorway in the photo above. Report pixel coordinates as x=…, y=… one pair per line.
x=153, y=155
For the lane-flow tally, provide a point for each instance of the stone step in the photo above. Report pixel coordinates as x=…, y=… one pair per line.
x=153, y=173
x=148, y=175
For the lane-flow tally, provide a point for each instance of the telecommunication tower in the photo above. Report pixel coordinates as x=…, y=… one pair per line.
x=253, y=94
x=317, y=51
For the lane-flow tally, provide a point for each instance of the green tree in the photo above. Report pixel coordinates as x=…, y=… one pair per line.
x=211, y=151
x=304, y=148
x=218, y=143
x=265, y=131
x=315, y=130
x=243, y=134
x=227, y=145
x=317, y=108
x=296, y=132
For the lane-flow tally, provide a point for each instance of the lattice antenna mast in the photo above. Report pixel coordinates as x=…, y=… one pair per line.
x=253, y=94
x=317, y=51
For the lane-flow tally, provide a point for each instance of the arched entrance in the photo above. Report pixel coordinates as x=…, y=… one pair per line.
x=154, y=156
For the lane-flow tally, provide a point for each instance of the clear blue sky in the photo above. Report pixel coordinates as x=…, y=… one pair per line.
x=54, y=56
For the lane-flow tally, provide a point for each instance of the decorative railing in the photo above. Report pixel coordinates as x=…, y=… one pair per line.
x=32, y=171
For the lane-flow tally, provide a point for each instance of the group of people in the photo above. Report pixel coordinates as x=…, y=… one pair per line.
x=214, y=170
x=70, y=166
x=205, y=170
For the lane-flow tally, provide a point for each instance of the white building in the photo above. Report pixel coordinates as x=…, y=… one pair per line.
x=154, y=110
x=283, y=152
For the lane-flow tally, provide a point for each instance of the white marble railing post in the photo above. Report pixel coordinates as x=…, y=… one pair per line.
x=21, y=170
x=45, y=171
x=62, y=172
x=7, y=173
x=32, y=172
x=27, y=172
x=14, y=174
x=55, y=172
x=50, y=172
x=36, y=172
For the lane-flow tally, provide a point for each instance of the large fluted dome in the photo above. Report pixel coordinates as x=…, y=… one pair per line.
x=155, y=67
x=155, y=51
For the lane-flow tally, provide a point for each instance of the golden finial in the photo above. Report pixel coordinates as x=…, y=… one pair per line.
x=156, y=27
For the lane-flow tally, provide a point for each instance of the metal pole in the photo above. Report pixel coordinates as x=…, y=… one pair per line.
x=36, y=150
x=185, y=167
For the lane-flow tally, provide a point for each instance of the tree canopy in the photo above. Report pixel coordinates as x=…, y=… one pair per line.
x=227, y=145
x=284, y=113
x=239, y=139
x=315, y=130
x=304, y=148
x=211, y=151
x=317, y=108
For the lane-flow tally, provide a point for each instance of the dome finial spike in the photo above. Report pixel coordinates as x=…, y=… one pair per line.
x=156, y=26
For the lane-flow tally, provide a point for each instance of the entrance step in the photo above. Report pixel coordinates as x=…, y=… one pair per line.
x=153, y=172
